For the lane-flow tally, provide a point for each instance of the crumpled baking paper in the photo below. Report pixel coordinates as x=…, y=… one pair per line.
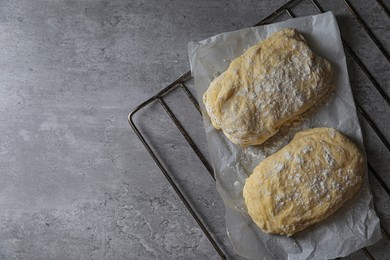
x=355, y=224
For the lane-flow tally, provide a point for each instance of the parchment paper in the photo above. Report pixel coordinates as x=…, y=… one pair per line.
x=355, y=224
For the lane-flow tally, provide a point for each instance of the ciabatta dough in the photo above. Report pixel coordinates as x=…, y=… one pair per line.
x=273, y=82
x=304, y=182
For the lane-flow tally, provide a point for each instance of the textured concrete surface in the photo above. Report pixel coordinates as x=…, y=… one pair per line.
x=75, y=182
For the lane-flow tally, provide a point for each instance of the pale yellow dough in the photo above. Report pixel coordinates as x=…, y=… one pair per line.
x=272, y=83
x=304, y=182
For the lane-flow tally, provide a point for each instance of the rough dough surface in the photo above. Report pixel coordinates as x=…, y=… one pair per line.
x=304, y=182
x=272, y=83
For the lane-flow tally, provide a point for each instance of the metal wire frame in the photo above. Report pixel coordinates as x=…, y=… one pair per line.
x=180, y=83
x=384, y=8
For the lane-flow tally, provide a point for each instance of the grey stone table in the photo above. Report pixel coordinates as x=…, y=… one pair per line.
x=75, y=181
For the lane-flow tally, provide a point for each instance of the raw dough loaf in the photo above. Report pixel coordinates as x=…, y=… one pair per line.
x=304, y=182
x=272, y=83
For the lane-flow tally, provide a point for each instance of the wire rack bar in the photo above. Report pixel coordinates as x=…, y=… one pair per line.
x=277, y=12
x=384, y=8
x=366, y=72
x=358, y=61
x=178, y=191
x=384, y=231
x=180, y=82
x=373, y=125
x=191, y=97
x=368, y=31
x=187, y=137
x=369, y=256
x=379, y=178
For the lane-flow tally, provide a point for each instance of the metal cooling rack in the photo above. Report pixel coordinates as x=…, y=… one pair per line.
x=180, y=83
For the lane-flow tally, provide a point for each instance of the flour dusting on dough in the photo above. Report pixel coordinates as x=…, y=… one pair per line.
x=271, y=84
x=308, y=188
